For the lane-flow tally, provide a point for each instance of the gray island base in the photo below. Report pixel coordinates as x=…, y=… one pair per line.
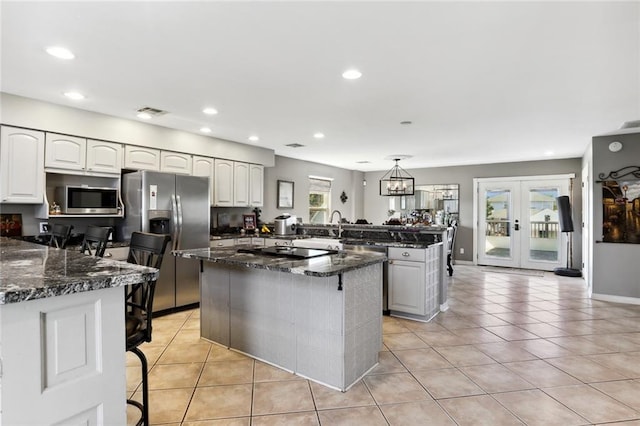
x=319, y=318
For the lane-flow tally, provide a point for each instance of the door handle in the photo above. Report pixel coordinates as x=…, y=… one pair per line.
x=174, y=220
x=516, y=227
x=179, y=202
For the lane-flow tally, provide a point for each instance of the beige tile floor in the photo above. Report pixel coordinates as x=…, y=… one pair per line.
x=511, y=350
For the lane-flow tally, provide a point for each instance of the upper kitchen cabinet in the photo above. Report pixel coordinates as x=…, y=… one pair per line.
x=174, y=162
x=71, y=154
x=240, y=184
x=65, y=152
x=203, y=166
x=256, y=185
x=223, y=183
x=104, y=157
x=237, y=184
x=21, y=166
x=139, y=158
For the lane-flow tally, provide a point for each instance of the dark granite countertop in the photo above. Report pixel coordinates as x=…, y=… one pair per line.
x=31, y=271
x=323, y=266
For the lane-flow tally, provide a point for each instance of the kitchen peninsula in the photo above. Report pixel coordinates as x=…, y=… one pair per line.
x=62, y=343
x=319, y=317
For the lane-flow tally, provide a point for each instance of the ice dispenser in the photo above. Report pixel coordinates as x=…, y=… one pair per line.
x=160, y=221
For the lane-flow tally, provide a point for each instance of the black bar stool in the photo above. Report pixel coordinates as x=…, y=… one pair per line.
x=451, y=242
x=145, y=249
x=60, y=235
x=95, y=239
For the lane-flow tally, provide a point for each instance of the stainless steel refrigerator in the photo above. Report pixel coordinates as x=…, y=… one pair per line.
x=166, y=203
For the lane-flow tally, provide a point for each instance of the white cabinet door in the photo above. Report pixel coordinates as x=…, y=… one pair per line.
x=104, y=157
x=203, y=166
x=21, y=166
x=240, y=184
x=65, y=152
x=139, y=158
x=407, y=287
x=256, y=185
x=175, y=162
x=223, y=183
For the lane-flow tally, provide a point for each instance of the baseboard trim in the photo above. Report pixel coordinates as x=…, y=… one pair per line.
x=463, y=262
x=616, y=299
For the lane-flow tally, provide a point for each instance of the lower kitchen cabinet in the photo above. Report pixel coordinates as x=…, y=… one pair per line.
x=414, y=276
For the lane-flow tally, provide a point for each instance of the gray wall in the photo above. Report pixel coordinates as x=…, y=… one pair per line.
x=30, y=113
x=298, y=171
x=615, y=270
x=375, y=206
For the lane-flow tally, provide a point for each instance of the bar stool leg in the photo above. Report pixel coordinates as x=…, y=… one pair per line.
x=144, y=407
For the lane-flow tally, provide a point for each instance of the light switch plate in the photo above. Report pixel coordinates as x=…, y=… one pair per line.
x=44, y=227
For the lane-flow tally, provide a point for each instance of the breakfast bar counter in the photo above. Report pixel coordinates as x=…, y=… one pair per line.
x=62, y=335
x=320, y=318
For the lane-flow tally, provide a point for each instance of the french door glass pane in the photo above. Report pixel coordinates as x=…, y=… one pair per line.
x=498, y=217
x=543, y=218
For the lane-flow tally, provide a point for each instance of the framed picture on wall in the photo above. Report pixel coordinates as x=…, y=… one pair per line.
x=249, y=221
x=285, y=194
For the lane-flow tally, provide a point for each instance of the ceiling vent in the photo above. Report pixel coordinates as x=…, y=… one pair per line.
x=294, y=145
x=630, y=124
x=154, y=112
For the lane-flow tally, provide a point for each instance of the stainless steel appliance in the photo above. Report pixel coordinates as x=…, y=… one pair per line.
x=285, y=225
x=88, y=200
x=165, y=203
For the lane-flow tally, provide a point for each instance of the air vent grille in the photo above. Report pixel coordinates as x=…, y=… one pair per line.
x=155, y=112
x=294, y=145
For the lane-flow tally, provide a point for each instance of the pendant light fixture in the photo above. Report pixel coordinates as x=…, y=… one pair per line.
x=396, y=181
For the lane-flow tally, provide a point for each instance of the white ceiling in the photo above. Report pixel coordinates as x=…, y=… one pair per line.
x=482, y=82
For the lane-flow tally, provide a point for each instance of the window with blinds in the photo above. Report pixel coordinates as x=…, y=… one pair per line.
x=319, y=200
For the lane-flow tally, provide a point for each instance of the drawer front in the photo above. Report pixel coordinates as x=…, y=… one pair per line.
x=117, y=253
x=222, y=243
x=408, y=254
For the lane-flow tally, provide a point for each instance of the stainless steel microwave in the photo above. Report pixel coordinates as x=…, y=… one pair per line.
x=88, y=200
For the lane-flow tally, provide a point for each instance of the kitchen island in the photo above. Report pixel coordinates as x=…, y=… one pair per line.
x=320, y=318
x=62, y=335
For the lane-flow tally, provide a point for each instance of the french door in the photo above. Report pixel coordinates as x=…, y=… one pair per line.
x=518, y=222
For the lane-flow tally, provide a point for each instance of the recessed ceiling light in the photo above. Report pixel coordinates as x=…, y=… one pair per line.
x=352, y=74
x=254, y=138
x=60, y=52
x=144, y=115
x=76, y=96
x=318, y=135
x=210, y=111
x=548, y=153
x=205, y=130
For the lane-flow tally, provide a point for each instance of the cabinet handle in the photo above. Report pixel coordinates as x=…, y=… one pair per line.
x=405, y=254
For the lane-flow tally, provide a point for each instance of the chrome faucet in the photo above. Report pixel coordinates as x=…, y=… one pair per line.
x=339, y=221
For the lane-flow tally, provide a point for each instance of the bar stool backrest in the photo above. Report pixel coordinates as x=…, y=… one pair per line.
x=95, y=239
x=145, y=249
x=60, y=235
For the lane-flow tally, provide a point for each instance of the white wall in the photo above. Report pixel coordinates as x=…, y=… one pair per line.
x=30, y=113
x=375, y=206
x=298, y=171
x=615, y=267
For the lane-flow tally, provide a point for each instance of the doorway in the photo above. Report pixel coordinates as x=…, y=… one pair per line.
x=518, y=224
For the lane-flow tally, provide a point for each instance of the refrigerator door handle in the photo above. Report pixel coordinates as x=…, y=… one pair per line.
x=174, y=219
x=178, y=244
